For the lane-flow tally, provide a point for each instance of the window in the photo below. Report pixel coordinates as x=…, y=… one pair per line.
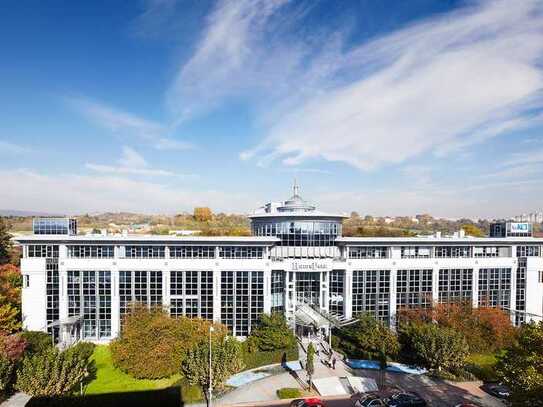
x=144, y=252
x=486, y=251
x=368, y=252
x=91, y=252
x=54, y=226
x=43, y=250
x=89, y=296
x=144, y=287
x=415, y=252
x=26, y=281
x=540, y=272
x=192, y=252
x=191, y=294
x=371, y=293
x=299, y=233
x=277, y=291
x=520, y=300
x=241, y=252
x=452, y=251
x=495, y=287
x=414, y=288
x=242, y=300
x=528, y=251
x=52, y=308
x=336, y=291
x=455, y=285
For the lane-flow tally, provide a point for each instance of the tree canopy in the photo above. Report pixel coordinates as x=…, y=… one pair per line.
x=271, y=333
x=5, y=243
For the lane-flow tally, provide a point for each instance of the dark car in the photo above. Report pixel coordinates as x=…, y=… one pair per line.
x=407, y=399
x=368, y=400
x=308, y=402
x=498, y=390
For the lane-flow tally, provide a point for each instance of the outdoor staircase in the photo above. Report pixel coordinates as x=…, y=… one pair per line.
x=311, y=314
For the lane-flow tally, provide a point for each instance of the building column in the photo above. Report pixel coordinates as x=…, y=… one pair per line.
x=115, y=301
x=217, y=293
x=267, y=289
x=62, y=283
x=392, y=297
x=324, y=297
x=475, y=287
x=348, y=293
x=435, y=285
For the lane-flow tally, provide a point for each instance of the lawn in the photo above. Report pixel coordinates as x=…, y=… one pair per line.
x=482, y=365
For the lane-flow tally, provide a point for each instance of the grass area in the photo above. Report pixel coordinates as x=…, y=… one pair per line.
x=109, y=379
x=482, y=365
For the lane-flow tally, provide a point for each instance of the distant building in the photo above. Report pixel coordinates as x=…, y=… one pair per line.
x=511, y=229
x=54, y=226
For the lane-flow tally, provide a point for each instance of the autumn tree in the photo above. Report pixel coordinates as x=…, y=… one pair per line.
x=521, y=366
x=225, y=361
x=472, y=230
x=203, y=214
x=310, y=362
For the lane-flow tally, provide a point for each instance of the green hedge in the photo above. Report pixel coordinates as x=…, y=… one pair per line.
x=289, y=393
x=260, y=358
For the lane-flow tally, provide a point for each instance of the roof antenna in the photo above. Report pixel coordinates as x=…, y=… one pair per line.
x=295, y=187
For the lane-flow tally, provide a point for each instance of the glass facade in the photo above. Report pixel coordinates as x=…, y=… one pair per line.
x=278, y=291
x=337, y=284
x=455, y=285
x=145, y=252
x=242, y=300
x=414, y=288
x=495, y=287
x=369, y=252
x=371, y=293
x=52, y=295
x=139, y=286
x=241, y=252
x=54, y=226
x=89, y=296
x=192, y=252
x=520, y=300
x=295, y=233
x=191, y=294
x=308, y=287
x=42, y=250
x=91, y=252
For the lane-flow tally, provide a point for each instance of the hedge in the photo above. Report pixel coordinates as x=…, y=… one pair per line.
x=289, y=393
x=260, y=358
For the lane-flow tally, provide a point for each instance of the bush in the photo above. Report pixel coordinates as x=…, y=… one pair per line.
x=84, y=350
x=271, y=333
x=36, y=341
x=152, y=345
x=6, y=374
x=289, y=393
x=252, y=359
x=12, y=347
x=53, y=373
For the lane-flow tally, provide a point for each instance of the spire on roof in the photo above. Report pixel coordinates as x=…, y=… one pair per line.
x=295, y=187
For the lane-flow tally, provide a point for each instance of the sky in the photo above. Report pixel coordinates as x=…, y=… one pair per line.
x=382, y=107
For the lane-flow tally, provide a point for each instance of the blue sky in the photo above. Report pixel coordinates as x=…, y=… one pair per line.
x=383, y=107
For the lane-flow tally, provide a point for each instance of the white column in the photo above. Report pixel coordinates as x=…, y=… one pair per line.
x=324, y=297
x=115, y=301
x=392, y=296
x=216, y=293
x=348, y=293
x=267, y=289
x=475, y=287
x=62, y=282
x=435, y=285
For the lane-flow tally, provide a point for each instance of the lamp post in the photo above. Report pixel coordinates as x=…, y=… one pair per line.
x=210, y=387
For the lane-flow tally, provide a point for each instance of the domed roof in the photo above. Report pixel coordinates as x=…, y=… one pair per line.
x=295, y=202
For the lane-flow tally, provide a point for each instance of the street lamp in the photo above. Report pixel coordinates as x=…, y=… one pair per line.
x=210, y=387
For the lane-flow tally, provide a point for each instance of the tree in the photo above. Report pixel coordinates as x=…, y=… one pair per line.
x=225, y=361
x=5, y=243
x=433, y=347
x=271, y=333
x=310, y=362
x=203, y=214
x=9, y=319
x=53, y=373
x=521, y=366
x=472, y=230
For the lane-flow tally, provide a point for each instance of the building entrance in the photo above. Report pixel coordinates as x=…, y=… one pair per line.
x=308, y=287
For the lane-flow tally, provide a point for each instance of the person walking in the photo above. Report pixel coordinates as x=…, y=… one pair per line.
x=334, y=363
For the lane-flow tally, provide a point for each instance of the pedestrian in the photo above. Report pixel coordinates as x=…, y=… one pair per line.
x=334, y=363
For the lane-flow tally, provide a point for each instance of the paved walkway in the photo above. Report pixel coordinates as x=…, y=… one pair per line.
x=17, y=400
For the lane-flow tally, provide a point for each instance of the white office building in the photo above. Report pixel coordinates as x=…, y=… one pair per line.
x=296, y=262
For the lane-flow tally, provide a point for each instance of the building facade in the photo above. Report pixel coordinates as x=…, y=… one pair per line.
x=296, y=258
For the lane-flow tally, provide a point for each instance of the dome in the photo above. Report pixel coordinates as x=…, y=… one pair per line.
x=295, y=203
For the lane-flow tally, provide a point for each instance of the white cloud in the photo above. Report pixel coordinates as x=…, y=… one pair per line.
x=127, y=124
x=7, y=148
x=132, y=163
x=434, y=87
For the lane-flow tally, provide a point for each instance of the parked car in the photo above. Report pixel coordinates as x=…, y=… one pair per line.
x=308, y=402
x=367, y=400
x=467, y=405
x=406, y=399
x=498, y=390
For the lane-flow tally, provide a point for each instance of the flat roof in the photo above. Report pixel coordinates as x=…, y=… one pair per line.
x=440, y=240
x=168, y=239
x=294, y=214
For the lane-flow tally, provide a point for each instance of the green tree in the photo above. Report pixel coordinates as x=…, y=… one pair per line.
x=5, y=243
x=53, y=373
x=521, y=366
x=310, y=362
x=472, y=230
x=6, y=374
x=225, y=361
x=271, y=333
x=9, y=319
x=434, y=347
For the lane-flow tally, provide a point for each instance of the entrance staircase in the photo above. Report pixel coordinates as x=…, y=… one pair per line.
x=311, y=314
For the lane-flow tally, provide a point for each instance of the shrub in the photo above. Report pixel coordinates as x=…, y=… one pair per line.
x=252, y=359
x=9, y=319
x=152, y=345
x=12, y=347
x=36, y=341
x=271, y=333
x=84, y=350
x=52, y=373
x=289, y=393
x=6, y=374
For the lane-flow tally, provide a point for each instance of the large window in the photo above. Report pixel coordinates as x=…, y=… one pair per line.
x=308, y=287
x=528, y=251
x=277, y=291
x=520, y=300
x=52, y=295
x=455, y=285
x=43, y=250
x=336, y=291
x=452, y=251
x=242, y=300
x=300, y=232
x=495, y=287
x=486, y=251
x=368, y=252
x=89, y=296
x=144, y=287
x=145, y=252
x=241, y=252
x=414, y=288
x=371, y=293
x=191, y=294
x=416, y=252
x=91, y=252
x=54, y=226
x=192, y=252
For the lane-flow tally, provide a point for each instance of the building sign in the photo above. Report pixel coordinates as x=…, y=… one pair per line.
x=519, y=227
x=309, y=266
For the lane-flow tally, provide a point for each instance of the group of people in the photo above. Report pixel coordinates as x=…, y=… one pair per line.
x=330, y=361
